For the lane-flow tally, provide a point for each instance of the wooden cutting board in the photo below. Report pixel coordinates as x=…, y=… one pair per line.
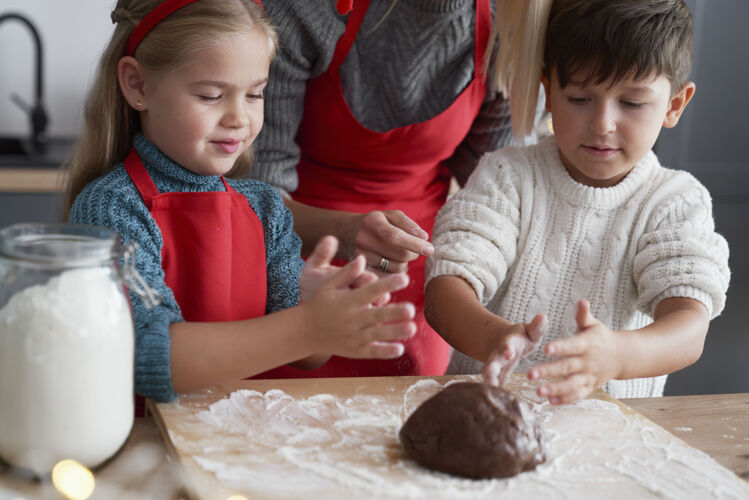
x=337, y=438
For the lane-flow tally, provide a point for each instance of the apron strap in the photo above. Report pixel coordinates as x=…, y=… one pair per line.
x=352, y=28
x=482, y=31
x=344, y=6
x=139, y=175
x=227, y=187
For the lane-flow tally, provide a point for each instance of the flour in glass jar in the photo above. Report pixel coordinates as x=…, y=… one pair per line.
x=66, y=370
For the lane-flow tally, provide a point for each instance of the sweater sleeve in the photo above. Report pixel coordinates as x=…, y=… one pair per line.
x=282, y=245
x=680, y=254
x=476, y=231
x=308, y=34
x=113, y=202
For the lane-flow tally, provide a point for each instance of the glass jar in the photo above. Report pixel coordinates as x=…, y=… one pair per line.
x=66, y=344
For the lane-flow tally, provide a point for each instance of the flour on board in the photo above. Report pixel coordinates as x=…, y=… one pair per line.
x=271, y=444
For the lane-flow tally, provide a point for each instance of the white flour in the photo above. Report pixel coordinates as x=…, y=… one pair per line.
x=66, y=371
x=270, y=445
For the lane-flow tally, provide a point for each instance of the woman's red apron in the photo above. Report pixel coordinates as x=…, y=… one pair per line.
x=345, y=166
x=213, y=252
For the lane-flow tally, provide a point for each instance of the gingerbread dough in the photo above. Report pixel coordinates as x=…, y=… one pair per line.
x=474, y=430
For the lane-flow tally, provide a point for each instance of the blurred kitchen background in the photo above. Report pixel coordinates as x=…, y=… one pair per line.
x=711, y=141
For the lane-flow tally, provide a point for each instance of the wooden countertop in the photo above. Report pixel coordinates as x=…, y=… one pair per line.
x=32, y=180
x=716, y=424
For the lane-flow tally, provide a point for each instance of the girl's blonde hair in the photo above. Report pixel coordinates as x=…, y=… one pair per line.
x=519, y=30
x=109, y=124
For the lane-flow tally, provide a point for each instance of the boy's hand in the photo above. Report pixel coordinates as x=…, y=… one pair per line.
x=584, y=362
x=518, y=343
x=318, y=269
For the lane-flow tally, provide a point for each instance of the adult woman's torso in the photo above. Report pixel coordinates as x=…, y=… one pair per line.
x=346, y=164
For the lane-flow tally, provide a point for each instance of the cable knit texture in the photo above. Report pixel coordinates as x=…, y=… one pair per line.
x=422, y=53
x=113, y=201
x=530, y=239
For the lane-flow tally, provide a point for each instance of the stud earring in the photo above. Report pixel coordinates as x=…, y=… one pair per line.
x=138, y=103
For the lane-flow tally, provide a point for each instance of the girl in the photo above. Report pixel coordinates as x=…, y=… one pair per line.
x=618, y=253
x=176, y=105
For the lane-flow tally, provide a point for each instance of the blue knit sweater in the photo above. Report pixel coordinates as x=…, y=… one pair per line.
x=113, y=201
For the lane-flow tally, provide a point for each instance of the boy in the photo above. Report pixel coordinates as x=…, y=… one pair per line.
x=617, y=253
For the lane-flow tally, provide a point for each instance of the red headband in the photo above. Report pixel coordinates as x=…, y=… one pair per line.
x=153, y=18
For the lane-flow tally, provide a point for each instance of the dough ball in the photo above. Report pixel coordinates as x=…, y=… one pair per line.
x=474, y=430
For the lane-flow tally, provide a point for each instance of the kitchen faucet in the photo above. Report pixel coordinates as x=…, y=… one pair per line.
x=36, y=112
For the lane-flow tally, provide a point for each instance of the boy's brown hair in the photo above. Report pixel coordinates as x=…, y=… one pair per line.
x=595, y=40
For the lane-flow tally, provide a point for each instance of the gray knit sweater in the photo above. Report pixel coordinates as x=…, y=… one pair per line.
x=113, y=201
x=404, y=67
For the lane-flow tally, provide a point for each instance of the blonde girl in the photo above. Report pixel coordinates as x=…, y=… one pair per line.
x=174, y=110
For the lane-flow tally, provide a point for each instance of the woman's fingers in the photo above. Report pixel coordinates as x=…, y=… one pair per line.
x=402, y=221
x=393, y=235
x=374, y=260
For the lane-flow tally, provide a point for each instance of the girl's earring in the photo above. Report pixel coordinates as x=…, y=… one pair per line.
x=138, y=103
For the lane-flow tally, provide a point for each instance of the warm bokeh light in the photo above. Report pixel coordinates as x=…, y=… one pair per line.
x=237, y=497
x=73, y=480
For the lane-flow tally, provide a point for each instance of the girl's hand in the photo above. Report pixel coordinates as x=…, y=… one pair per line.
x=389, y=234
x=344, y=319
x=318, y=269
x=584, y=362
x=520, y=342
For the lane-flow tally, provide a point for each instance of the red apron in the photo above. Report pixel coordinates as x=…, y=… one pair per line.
x=345, y=166
x=213, y=254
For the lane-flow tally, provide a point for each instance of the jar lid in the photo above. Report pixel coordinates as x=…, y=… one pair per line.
x=70, y=245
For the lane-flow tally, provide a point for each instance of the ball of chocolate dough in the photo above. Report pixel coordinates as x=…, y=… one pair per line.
x=474, y=430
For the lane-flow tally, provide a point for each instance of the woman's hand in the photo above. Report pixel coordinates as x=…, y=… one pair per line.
x=520, y=342
x=387, y=235
x=583, y=362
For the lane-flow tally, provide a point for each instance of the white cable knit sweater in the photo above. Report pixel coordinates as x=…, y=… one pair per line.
x=530, y=239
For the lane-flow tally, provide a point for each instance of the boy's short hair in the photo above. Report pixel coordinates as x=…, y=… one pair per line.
x=600, y=39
